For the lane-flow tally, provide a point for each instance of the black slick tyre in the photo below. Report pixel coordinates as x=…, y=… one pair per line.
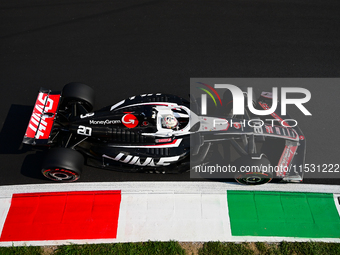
x=63, y=165
x=78, y=93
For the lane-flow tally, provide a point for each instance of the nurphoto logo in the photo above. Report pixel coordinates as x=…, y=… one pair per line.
x=238, y=100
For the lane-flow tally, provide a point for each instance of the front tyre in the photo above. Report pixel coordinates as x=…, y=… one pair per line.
x=252, y=171
x=253, y=178
x=63, y=165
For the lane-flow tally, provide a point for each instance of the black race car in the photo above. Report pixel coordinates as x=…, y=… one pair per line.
x=159, y=133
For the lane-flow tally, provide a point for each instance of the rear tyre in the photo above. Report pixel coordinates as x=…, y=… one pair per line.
x=63, y=165
x=254, y=171
x=78, y=93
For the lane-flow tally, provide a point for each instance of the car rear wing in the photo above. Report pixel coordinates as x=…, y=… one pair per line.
x=42, y=119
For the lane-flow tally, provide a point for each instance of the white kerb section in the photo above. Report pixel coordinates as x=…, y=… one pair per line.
x=171, y=216
x=5, y=203
x=337, y=202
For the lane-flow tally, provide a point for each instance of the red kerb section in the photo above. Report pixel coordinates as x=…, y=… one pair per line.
x=62, y=216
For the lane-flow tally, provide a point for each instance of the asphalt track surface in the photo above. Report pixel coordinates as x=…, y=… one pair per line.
x=124, y=48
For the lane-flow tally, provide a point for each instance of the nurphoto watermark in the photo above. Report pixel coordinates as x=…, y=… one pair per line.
x=245, y=126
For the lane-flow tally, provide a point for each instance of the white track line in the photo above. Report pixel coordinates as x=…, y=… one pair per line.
x=166, y=187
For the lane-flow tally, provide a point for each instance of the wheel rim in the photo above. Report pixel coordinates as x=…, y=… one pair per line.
x=61, y=174
x=260, y=178
x=253, y=179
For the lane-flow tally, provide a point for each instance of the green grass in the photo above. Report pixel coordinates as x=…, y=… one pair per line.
x=157, y=248
x=169, y=248
x=219, y=248
x=30, y=250
x=309, y=248
x=283, y=248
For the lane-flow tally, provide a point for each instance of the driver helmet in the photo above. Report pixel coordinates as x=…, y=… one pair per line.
x=169, y=121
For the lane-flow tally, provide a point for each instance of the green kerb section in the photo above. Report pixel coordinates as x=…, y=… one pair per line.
x=287, y=214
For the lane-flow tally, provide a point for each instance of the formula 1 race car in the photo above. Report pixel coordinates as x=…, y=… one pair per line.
x=159, y=133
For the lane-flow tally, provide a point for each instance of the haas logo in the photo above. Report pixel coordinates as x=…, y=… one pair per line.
x=38, y=120
x=129, y=120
